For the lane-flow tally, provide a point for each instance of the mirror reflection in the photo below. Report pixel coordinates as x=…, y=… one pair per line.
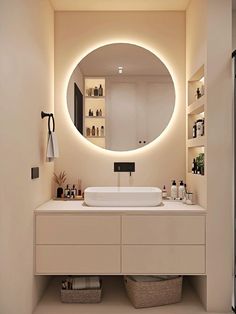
x=121, y=97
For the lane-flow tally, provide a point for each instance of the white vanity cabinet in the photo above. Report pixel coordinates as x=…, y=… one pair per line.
x=118, y=241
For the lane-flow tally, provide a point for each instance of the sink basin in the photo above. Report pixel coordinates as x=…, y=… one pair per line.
x=122, y=196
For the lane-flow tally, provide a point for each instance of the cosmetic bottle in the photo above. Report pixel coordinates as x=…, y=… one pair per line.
x=185, y=193
x=67, y=191
x=73, y=192
x=95, y=91
x=102, y=130
x=181, y=190
x=194, y=166
x=93, y=130
x=97, y=113
x=173, y=191
x=79, y=187
x=100, y=112
x=91, y=113
x=195, y=130
x=164, y=192
x=100, y=91
x=88, y=132
x=97, y=131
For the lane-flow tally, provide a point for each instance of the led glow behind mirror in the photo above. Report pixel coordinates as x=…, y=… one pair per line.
x=120, y=110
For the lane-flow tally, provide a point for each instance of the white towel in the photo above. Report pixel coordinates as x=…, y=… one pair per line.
x=52, y=147
x=89, y=282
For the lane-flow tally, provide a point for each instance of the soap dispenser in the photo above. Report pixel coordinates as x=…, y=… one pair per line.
x=181, y=190
x=67, y=191
x=173, y=191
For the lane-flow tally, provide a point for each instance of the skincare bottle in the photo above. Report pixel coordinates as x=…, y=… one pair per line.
x=67, y=191
x=97, y=113
x=195, y=130
x=88, y=132
x=181, y=190
x=100, y=91
x=79, y=187
x=93, y=130
x=100, y=112
x=97, y=131
x=194, y=166
x=164, y=192
x=185, y=193
x=95, y=91
x=73, y=192
x=102, y=130
x=173, y=191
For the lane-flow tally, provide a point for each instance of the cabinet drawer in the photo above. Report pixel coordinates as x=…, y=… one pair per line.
x=77, y=259
x=163, y=230
x=76, y=229
x=163, y=259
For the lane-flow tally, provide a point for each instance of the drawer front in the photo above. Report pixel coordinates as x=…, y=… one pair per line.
x=163, y=230
x=76, y=229
x=77, y=259
x=163, y=259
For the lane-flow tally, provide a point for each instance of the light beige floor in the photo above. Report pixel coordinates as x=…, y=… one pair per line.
x=114, y=302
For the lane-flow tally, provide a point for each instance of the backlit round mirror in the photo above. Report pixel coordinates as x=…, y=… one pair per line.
x=121, y=97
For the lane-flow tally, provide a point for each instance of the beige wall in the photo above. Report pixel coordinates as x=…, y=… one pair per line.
x=26, y=88
x=162, y=32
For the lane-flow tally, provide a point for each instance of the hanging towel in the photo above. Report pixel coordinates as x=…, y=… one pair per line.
x=52, y=147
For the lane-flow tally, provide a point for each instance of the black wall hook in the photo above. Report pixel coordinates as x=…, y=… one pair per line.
x=49, y=115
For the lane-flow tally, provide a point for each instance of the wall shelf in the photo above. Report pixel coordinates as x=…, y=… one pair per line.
x=197, y=106
x=196, y=142
x=94, y=117
x=95, y=97
x=95, y=136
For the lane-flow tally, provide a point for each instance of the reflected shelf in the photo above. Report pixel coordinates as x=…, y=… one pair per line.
x=94, y=117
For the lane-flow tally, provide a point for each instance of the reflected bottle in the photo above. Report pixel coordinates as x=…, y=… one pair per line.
x=100, y=90
x=93, y=130
x=102, y=130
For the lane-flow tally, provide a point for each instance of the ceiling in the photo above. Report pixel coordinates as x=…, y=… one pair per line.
x=135, y=60
x=120, y=5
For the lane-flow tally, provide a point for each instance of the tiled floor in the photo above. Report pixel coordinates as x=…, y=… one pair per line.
x=114, y=302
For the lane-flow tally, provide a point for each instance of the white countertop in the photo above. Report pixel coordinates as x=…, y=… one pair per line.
x=167, y=208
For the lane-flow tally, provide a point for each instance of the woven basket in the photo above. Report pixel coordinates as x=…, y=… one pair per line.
x=150, y=294
x=81, y=296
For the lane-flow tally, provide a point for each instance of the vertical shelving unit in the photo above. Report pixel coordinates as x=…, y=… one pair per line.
x=196, y=108
x=95, y=103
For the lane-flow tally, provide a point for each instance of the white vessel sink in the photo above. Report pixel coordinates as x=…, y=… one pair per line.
x=122, y=196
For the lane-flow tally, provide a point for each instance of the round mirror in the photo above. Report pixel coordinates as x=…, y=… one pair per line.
x=121, y=97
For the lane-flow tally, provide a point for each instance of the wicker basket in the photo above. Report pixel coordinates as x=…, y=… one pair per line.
x=81, y=296
x=155, y=293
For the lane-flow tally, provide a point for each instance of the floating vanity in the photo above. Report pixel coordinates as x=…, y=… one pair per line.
x=72, y=238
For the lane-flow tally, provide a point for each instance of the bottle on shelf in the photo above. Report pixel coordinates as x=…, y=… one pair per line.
x=194, y=130
x=90, y=113
x=97, y=113
x=73, y=192
x=97, y=131
x=100, y=112
x=79, y=187
x=67, y=191
x=100, y=90
x=164, y=192
x=95, y=91
x=88, y=131
x=93, y=130
x=173, y=191
x=185, y=193
x=102, y=130
x=194, y=168
x=181, y=190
